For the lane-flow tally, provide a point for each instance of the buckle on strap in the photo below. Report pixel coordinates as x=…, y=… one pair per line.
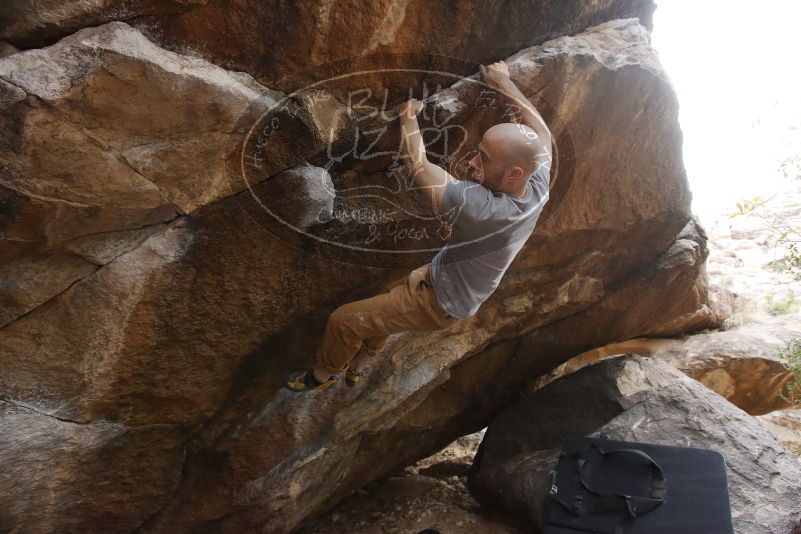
x=632, y=509
x=578, y=504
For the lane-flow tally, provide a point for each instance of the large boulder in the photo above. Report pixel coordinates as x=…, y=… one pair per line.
x=107, y=138
x=160, y=294
x=631, y=398
x=742, y=364
x=274, y=40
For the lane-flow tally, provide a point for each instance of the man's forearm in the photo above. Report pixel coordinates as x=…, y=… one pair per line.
x=414, y=150
x=415, y=153
x=428, y=177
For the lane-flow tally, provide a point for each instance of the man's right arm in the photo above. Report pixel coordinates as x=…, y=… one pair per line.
x=431, y=178
x=496, y=75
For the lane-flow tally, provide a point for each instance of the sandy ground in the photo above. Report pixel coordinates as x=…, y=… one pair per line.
x=428, y=497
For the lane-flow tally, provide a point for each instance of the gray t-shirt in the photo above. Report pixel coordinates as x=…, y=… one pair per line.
x=488, y=232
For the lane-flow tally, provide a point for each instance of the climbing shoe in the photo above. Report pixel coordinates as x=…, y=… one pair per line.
x=305, y=381
x=352, y=377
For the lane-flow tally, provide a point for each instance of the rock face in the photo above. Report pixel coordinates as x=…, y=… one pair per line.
x=104, y=473
x=786, y=426
x=151, y=304
x=107, y=139
x=262, y=37
x=631, y=398
x=741, y=364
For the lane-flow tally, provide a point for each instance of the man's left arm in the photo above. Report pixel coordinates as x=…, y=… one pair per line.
x=496, y=75
x=431, y=178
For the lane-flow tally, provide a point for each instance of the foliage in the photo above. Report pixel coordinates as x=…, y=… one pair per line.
x=781, y=232
x=790, y=357
x=781, y=307
x=791, y=167
x=731, y=322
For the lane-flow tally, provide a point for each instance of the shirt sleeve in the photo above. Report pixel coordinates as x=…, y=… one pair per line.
x=470, y=196
x=541, y=175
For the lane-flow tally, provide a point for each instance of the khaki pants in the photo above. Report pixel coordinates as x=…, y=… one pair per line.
x=410, y=304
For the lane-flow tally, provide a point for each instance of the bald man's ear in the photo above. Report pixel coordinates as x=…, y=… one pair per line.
x=516, y=173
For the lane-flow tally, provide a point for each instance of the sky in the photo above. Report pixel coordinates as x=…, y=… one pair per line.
x=736, y=68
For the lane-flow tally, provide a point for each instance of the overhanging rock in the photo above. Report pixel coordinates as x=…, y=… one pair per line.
x=189, y=318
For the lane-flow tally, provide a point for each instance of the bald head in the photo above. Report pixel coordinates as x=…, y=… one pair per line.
x=517, y=144
x=507, y=156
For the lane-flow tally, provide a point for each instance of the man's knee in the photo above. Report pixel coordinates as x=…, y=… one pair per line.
x=348, y=321
x=338, y=317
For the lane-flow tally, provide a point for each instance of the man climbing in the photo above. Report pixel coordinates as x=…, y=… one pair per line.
x=498, y=208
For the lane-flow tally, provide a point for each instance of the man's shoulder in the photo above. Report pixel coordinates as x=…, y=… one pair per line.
x=465, y=193
x=542, y=173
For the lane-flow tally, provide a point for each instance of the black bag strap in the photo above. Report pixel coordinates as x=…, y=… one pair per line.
x=633, y=504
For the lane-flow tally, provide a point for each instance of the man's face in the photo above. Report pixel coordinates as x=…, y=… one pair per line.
x=487, y=169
